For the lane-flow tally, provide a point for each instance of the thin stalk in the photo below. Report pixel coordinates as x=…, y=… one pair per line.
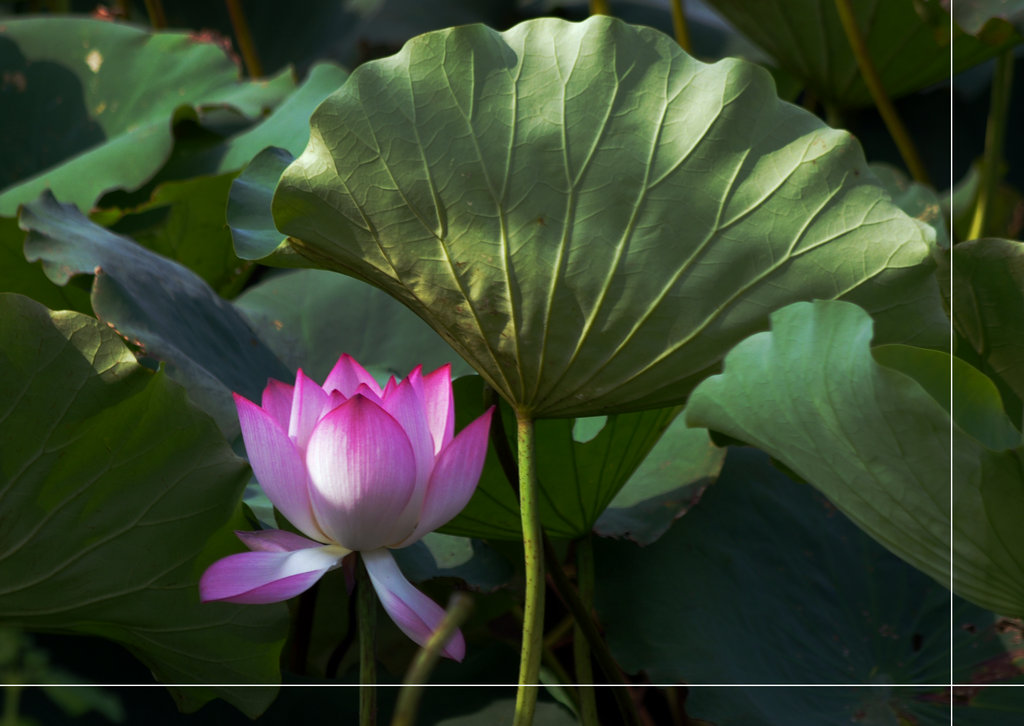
x=419, y=672
x=680, y=27
x=560, y=582
x=245, y=42
x=157, y=17
x=600, y=7
x=599, y=649
x=995, y=133
x=533, y=607
x=580, y=649
x=12, y=698
x=366, y=616
x=893, y=123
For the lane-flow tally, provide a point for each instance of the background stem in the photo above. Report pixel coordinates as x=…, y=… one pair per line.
x=409, y=696
x=892, y=120
x=580, y=648
x=366, y=617
x=995, y=133
x=680, y=27
x=533, y=608
x=246, y=45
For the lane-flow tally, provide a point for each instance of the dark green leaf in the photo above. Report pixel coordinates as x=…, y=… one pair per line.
x=577, y=479
x=764, y=582
x=909, y=43
x=175, y=316
x=116, y=493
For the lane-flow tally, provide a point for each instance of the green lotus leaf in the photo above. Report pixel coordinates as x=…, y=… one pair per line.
x=871, y=430
x=988, y=304
x=162, y=305
x=578, y=475
x=89, y=105
x=21, y=276
x=591, y=217
x=815, y=601
x=667, y=483
x=116, y=493
x=870, y=438
x=909, y=43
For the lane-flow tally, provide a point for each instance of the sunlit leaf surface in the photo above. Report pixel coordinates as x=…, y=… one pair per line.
x=591, y=217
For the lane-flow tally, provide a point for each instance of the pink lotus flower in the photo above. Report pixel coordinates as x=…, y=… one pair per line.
x=354, y=468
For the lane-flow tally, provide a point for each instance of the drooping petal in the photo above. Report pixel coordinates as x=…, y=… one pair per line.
x=346, y=376
x=440, y=406
x=413, y=612
x=277, y=540
x=311, y=402
x=363, y=474
x=262, y=577
x=277, y=401
x=454, y=478
x=278, y=466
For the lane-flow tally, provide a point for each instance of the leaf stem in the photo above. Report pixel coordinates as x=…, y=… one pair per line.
x=157, y=17
x=561, y=584
x=366, y=617
x=246, y=46
x=533, y=607
x=995, y=133
x=409, y=696
x=893, y=123
x=680, y=27
x=580, y=648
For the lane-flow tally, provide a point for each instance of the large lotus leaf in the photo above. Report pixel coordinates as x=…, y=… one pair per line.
x=810, y=394
x=909, y=43
x=165, y=307
x=813, y=601
x=871, y=430
x=115, y=494
x=988, y=304
x=590, y=216
x=89, y=105
x=310, y=317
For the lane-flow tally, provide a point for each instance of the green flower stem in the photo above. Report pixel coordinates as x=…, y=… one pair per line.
x=580, y=648
x=366, y=617
x=409, y=696
x=246, y=46
x=680, y=27
x=533, y=608
x=995, y=133
x=897, y=130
